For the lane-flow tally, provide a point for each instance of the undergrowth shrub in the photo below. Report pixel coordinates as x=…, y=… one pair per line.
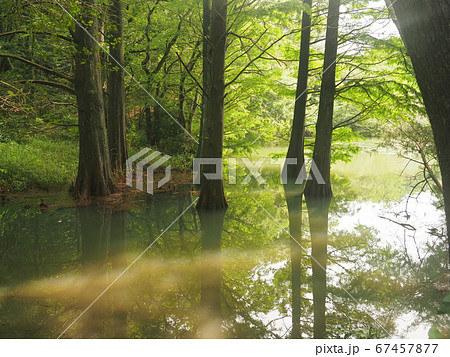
x=37, y=163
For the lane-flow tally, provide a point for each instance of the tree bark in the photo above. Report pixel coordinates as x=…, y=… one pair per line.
x=116, y=90
x=206, y=24
x=185, y=70
x=426, y=32
x=296, y=144
x=94, y=169
x=318, y=196
x=324, y=126
x=393, y=16
x=212, y=196
x=294, y=192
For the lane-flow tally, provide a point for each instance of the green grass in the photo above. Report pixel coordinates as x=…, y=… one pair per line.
x=375, y=174
x=37, y=164
x=375, y=164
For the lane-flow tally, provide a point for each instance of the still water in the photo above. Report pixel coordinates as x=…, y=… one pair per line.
x=152, y=267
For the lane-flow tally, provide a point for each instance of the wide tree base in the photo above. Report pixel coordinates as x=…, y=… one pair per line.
x=212, y=196
x=316, y=192
x=87, y=189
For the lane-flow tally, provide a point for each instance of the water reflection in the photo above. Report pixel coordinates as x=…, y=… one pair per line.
x=102, y=255
x=318, y=228
x=211, y=273
x=95, y=227
x=318, y=222
x=294, y=202
x=238, y=275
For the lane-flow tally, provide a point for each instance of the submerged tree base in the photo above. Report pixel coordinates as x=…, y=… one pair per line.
x=212, y=196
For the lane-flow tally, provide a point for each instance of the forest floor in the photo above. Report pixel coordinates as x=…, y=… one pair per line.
x=124, y=198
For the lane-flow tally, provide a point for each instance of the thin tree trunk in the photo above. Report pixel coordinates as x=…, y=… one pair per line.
x=324, y=126
x=181, y=102
x=206, y=24
x=212, y=196
x=116, y=90
x=294, y=193
x=183, y=119
x=296, y=144
x=426, y=33
x=318, y=196
x=94, y=170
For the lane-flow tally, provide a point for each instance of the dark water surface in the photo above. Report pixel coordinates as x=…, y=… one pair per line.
x=237, y=275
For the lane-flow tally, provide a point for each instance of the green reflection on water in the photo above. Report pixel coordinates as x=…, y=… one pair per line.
x=240, y=278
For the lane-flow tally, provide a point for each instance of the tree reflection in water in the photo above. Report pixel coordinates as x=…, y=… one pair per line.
x=238, y=275
x=211, y=274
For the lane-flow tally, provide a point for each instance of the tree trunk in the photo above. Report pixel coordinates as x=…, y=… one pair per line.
x=181, y=102
x=318, y=196
x=206, y=69
x=294, y=192
x=212, y=196
x=324, y=126
x=183, y=119
x=116, y=90
x=94, y=169
x=426, y=33
x=393, y=16
x=206, y=27
x=296, y=144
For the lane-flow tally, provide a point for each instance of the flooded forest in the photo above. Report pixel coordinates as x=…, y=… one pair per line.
x=251, y=169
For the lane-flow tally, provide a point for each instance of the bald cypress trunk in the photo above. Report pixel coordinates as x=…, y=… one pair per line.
x=318, y=195
x=116, y=90
x=426, y=32
x=296, y=143
x=324, y=126
x=206, y=69
x=94, y=168
x=293, y=191
x=212, y=195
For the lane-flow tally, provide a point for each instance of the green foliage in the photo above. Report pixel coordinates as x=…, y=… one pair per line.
x=39, y=163
x=444, y=307
x=434, y=333
x=182, y=161
x=412, y=138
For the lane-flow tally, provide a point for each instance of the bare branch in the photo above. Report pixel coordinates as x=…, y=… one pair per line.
x=37, y=65
x=48, y=83
x=11, y=33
